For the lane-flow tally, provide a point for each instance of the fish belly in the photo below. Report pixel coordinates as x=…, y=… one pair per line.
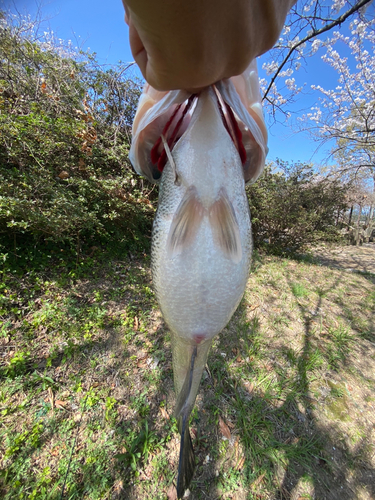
x=200, y=288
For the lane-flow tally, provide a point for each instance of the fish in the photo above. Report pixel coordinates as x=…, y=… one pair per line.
x=202, y=149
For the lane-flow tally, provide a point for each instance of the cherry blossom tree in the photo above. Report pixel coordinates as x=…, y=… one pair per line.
x=346, y=114
x=305, y=32
x=343, y=34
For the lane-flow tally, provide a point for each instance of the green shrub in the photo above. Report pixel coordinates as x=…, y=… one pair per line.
x=64, y=141
x=292, y=207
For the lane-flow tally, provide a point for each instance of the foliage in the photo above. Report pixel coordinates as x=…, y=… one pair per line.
x=64, y=128
x=292, y=207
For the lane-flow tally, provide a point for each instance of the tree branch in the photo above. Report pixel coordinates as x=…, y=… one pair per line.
x=315, y=33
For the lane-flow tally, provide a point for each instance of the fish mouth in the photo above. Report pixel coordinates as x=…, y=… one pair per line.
x=177, y=123
x=173, y=125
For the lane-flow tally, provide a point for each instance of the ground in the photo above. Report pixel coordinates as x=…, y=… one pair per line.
x=286, y=407
x=350, y=258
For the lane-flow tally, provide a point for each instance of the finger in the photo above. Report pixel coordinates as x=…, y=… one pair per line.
x=138, y=49
x=126, y=11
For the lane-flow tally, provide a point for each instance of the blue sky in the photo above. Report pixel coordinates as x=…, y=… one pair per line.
x=100, y=26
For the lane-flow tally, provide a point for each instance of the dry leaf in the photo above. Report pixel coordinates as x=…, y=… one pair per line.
x=142, y=359
x=81, y=165
x=172, y=492
x=236, y=447
x=118, y=487
x=253, y=308
x=224, y=429
x=51, y=396
x=61, y=404
x=240, y=464
x=257, y=481
x=64, y=174
x=136, y=323
x=164, y=413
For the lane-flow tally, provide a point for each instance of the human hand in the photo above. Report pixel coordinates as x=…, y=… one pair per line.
x=192, y=44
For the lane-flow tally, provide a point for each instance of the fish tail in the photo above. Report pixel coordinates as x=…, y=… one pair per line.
x=189, y=362
x=186, y=464
x=187, y=393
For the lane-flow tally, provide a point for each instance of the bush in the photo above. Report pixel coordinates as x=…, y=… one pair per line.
x=293, y=207
x=64, y=142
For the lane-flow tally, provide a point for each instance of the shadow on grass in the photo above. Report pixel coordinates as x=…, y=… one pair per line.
x=349, y=258
x=289, y=451
x=121, y=447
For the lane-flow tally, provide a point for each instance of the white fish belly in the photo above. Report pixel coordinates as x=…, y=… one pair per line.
x=199, y=289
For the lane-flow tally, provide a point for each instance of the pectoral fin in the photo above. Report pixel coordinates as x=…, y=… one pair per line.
x=185, y=223
x=225, y=228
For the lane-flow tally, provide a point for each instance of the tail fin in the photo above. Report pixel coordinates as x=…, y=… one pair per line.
x=183, y=409
x=187, y=383
x=186, y=464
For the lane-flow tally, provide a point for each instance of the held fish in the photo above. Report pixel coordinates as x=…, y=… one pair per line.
x=202, y=148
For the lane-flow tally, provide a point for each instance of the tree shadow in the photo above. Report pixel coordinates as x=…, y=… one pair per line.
x=283, y=441
x=355, y=259
x=288, y=448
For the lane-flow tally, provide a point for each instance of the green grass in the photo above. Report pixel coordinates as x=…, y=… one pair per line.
x=299, y=290
x=86, y=386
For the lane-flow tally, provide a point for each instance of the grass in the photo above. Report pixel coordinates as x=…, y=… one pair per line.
x=86, y=386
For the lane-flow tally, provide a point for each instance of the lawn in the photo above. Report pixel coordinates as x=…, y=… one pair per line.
x=286, y=408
